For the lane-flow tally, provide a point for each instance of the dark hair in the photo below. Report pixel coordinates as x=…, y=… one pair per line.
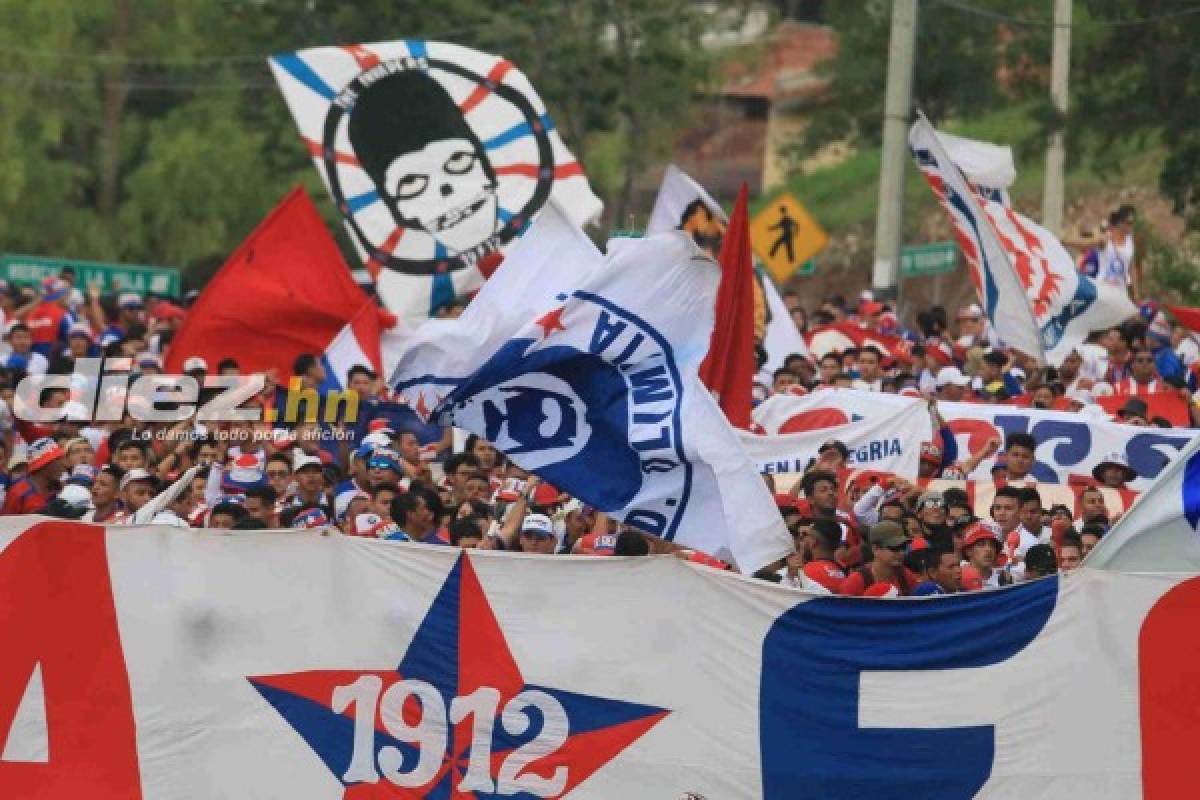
x=872, y=349
x=782, y=371
x=1009, y=491
x=829, y=356
x=384, y=487
x=280, y=457
x=18, y=327
x=813, y=477
x=1029, y=495
x=249, y=523
x=467, y=528
x=932, y=555
x=264, y=493
x=131, y=444
x=1041, y=559
x=955, y=496
x=828, y=532
x=1093, y=529
x=1020, y=439
x=227, y=363
x=631, y=543
x=233, y=509
x=457, y=460
x=359, y=369
x=1071, y=539
x=303, y=363
x=194, y=447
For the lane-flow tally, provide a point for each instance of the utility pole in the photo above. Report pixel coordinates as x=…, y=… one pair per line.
x=1056, y=150
x=896, y=111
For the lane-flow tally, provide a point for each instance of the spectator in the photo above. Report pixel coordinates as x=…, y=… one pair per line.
x=942, y=572
x=885, y=575
x=1114, y=472
x=1040, y=562
x=32, y=493
x=1019, y=450
x=1070, y=552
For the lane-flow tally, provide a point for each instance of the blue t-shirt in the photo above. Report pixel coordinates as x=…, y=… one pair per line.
x=927, y=588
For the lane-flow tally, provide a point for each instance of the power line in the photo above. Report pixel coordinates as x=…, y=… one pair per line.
x=959, y=5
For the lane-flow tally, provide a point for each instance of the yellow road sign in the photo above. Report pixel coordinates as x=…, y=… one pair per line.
x=785, y=235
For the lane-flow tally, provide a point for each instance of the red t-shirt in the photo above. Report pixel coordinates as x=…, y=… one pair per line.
x=24, y=499
x=855, y=584
x=45, y=322
x=598, y=544
x=827, y=573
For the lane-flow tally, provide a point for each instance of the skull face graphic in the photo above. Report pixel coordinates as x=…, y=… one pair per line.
x=426, y=162
x=445, y=188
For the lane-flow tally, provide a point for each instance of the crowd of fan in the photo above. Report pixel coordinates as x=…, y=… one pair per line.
x=395, y=477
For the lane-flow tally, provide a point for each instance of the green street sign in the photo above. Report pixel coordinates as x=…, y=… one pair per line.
x=164, y=281
x=928, y=259
x=806, y=269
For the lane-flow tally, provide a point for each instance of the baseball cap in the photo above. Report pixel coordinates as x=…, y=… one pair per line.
x=148, y=359
x=870, y=307
x=244, y=474
x=136, y=474
x=545, y=495
x=44, y=452
x=978, y=532
x=76, y=496
x=951, y=376
x=195, y=363
x=129, y=300
x=887, y=534
x=931, y=452
x=537, y=524
x=341, y=503
x=53, y=288
x=302, y=460
x=310, y=518
x=80, y=329
x=375, y=527
x=380, y=425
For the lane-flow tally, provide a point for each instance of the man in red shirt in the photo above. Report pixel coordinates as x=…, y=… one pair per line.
x=31, y=494
x=886, y=575
x=49, y=321
x=817, y=548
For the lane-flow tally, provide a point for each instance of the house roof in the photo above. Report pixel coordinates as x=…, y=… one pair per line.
x=785, y=71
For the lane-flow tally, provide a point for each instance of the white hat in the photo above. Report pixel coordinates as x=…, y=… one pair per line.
x=76, y=496
x=341, y=503
x=301, y=459
x=373, y=526
x=537, y=523
x=951, y=376
x=135, y=474
x=195, y=363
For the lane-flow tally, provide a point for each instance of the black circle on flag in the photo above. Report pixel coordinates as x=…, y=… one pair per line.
x=430, y=169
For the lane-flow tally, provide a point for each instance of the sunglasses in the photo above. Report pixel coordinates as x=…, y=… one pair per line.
x=277, y=473
x=383, y=463
x=933, y=504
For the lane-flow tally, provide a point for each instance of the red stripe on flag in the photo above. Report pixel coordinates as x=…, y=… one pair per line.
x=317, y=151
x=495, y=74
x=531, y=170
x=389, y=245
x=365, y=58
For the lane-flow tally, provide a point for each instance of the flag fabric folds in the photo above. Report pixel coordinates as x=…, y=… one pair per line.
x=728, y=369
x=1034, y=296
x=1160, y=533
x=284, y=291
x=330, y=666
x=583, y=369
x=437, y=157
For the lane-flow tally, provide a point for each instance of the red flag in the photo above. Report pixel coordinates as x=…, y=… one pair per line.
x=285, y=291
x=1187, y=317
x=728, y=370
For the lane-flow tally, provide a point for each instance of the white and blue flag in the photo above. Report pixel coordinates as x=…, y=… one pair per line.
x=1161, y=532
x=583, y=369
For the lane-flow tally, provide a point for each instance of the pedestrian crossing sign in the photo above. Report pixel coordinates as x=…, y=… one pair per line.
x=784, y=236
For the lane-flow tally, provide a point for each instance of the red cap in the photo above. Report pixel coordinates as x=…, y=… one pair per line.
x=545, y=495
x=787, y=501
x=931, y=452
x=870, y=307
x=976, y=533
x=971, y=580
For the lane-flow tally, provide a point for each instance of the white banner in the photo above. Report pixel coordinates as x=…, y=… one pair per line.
x=1069, y=445
x=327, y=667
x=881, y=443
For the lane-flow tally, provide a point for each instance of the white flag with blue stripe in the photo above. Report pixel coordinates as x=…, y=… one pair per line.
x=437, y=157
x=1161, y=532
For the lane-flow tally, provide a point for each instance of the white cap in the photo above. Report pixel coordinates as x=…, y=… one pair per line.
x=195, y=363
x=301, y=459
x=76, y=496
x=537, y=523
x=951, y=375
x=341, y=503
x=135, y=474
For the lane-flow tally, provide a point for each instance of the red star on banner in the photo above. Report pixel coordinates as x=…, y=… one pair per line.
x=458, y=659
x=551, y=322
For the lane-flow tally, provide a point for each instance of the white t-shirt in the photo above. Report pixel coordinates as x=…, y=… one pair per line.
x=1116, y=263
